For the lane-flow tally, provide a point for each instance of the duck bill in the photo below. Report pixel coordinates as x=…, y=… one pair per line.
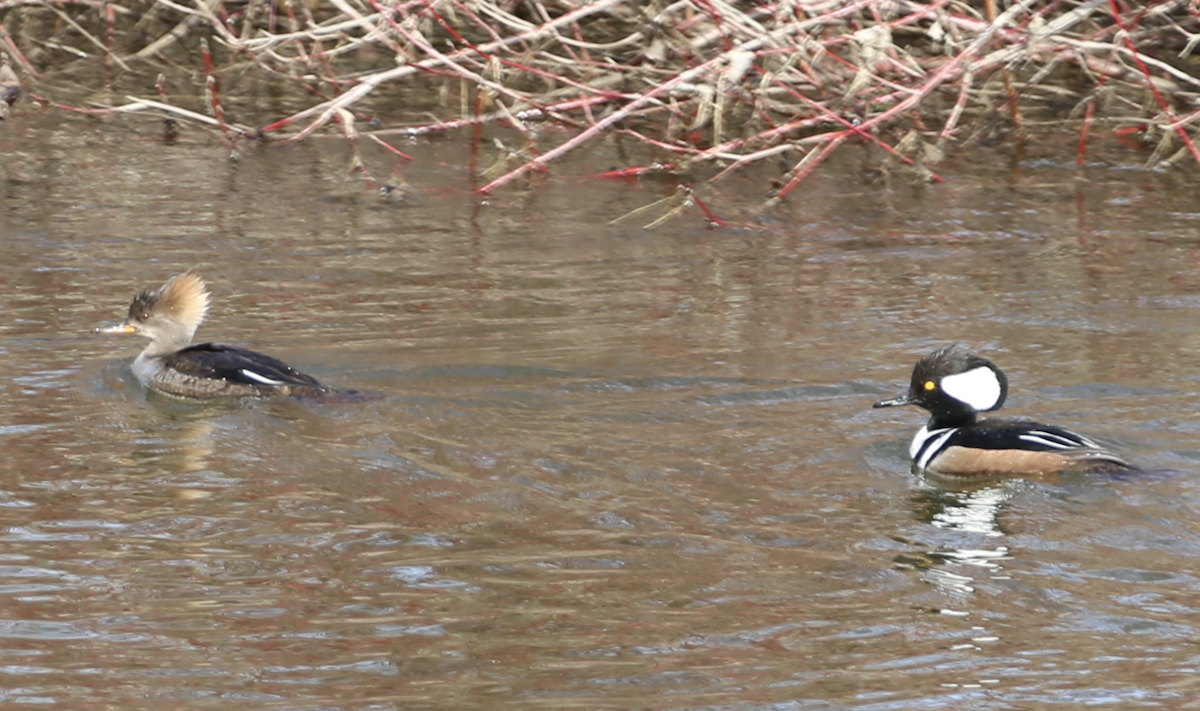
x=119, y=328
x=897, y=401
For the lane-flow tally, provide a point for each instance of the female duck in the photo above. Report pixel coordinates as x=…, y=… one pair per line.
x=955, y=386
x=169, y=316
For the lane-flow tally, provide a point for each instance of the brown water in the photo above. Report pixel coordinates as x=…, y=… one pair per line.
x=610, y=467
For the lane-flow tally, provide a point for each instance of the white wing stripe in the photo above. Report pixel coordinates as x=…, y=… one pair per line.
x=260, y=378
x=1057, y=441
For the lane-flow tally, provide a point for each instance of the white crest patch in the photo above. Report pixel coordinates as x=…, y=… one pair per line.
x=260, y=378
x=979, y=388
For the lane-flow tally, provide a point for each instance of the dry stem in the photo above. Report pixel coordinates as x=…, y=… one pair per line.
x=714, y=80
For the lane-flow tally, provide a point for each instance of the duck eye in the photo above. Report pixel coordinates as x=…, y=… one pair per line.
x=146, y=314
x=930, y=385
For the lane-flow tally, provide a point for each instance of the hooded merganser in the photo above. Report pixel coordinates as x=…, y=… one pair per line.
x=955, y=386
x=169, y=316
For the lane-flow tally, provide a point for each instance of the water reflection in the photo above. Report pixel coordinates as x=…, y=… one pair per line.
x=612, y=468
x=973, y=508
x=970, y=508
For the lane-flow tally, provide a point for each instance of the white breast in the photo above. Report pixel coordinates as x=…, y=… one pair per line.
x=928, y=443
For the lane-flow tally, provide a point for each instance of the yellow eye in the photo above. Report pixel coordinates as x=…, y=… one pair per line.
x=930, y=385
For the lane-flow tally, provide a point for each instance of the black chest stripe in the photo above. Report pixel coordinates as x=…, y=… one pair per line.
x=1006, y=434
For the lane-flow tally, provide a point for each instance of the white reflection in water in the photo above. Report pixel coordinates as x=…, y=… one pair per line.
x=975, y=511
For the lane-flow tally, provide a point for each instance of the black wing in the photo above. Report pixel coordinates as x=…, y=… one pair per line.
x=237, y=365
x=1001, y=433
x=1005, y=433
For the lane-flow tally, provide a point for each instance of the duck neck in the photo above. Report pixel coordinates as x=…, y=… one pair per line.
x=147, y=366
x=168, y=339
x=955, y=418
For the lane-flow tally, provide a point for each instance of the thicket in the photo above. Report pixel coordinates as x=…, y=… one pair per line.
x=703, y=82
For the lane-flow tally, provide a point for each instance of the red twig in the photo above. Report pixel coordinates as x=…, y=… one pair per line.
x=713, y=219
x=810, y=162
x=213, y=95
x=829, y=115
x=662, y=145
x=1013, y=108
x=1084, y=131
x=391, y=148
x=325, y=111
x=583, y=137
x=15, y=52
x=633, y=172
x=1158, y=97
x=716, y=18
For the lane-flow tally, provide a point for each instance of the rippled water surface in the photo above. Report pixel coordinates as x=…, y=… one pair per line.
x=608, y=467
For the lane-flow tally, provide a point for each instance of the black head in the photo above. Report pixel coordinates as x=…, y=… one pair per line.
x=954, y=386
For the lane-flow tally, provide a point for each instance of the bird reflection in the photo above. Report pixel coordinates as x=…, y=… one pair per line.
x=974, y=510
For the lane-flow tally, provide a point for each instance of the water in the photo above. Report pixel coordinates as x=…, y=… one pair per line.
x=609, y=467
